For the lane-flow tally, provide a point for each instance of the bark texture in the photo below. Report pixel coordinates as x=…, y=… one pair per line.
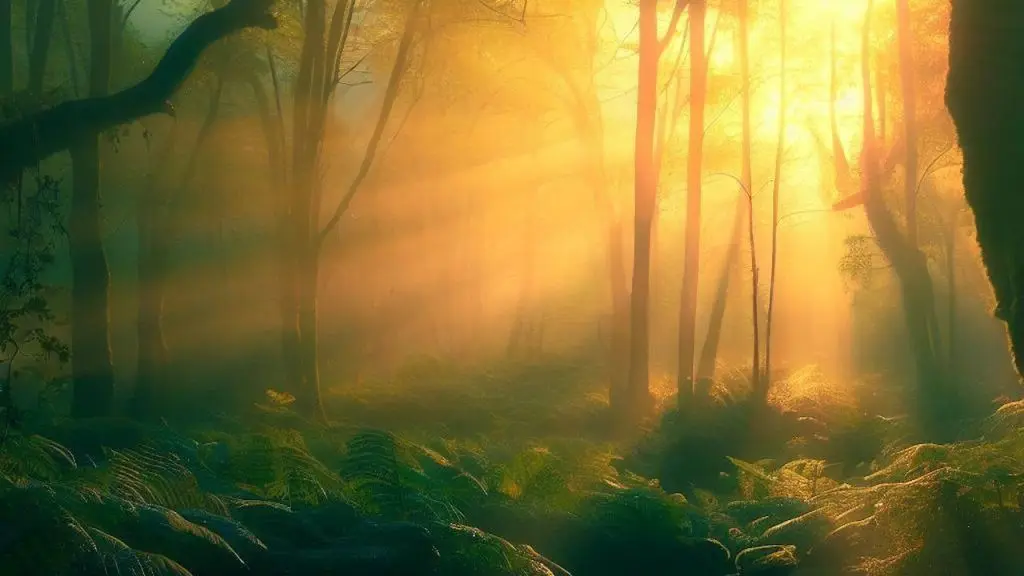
x=983, y=93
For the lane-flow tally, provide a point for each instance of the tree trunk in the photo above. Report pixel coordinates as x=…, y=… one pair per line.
x=6, y=48
x=746, y=182
x=983, y=94
x=619, y=348
x=40, y=55
x=522, y=341
x=271, y=119
x=69, y=47
x=951, y=320
x=155, y=235
x=92, y=368
x=911, y=269
x=645, y=190
x=907, y=87
x=62, y=127
x=317, y=77
x=761, y=392
x=30, y=23
x=152, y=348
x=709, y=351
x=694, y=176
x=309, y=400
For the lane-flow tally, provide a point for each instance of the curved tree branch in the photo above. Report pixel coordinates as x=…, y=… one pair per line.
x=27, y=141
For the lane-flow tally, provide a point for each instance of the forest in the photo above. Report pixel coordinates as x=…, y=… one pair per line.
x=511, y=287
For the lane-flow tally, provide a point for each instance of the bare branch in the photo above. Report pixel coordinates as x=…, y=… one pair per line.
x=673, y=24
x=129, y=11
x=390, y=95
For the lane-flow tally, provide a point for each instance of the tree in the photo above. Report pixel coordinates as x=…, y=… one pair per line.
x=155, y=234
x=91, y=365
x=744, y=206
x=59, y=128
x=76, y=124
x=301, y=234
x=909, y=264
x=764, y=382
x=694, y=176
x=46, y=13
x=645, y=195
x=584, y=108
x=983, y=91
x=6, y=48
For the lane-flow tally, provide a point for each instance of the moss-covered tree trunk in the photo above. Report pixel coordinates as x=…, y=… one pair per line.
x=92, y=367
x=984, y=93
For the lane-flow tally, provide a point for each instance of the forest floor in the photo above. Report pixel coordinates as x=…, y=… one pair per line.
x=510, y=471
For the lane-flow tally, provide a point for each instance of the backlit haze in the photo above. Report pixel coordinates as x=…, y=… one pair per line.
x=480, y=206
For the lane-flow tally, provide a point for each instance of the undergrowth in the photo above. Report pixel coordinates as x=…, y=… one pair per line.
x=839, y=493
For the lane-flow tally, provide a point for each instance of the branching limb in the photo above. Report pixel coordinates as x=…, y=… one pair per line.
x=27, y=141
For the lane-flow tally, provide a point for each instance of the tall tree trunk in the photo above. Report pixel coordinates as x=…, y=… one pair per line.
x=6, y=48
x=746, y=182
x=318, y=75
x=911, y=268
x=287, y=298
x=619, y=340
x=905, y=41
x=271, y=119
x=155, y=236
x=645, y=190
x=881, y=79
x=951, y=320
x=69, y=47
x=151, y=355
x=31, y=6
x=46, y=12
x=709, y=351
x=761, y=393
x=305, y=188
x=983, y=93
x=694, y=176
x=92, y=367
x=520, y=343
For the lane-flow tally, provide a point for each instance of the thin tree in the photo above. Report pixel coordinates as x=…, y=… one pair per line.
x=302, y=236
x=155, y=235
x=694, y=174
x=761, y=392
x=6, y=48
x=746, y=178
x=709, y=351
x=645, y=194
x=910, y=266
x=91, y=363
x=46, y=12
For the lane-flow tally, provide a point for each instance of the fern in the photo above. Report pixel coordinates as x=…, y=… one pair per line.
x=389, y=479
x=147, y=476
